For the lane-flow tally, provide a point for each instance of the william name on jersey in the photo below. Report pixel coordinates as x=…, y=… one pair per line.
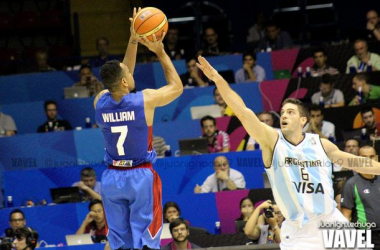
x=119, y=116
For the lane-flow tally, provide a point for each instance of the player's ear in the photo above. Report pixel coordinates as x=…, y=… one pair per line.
x=303, y=120
x=124, y=82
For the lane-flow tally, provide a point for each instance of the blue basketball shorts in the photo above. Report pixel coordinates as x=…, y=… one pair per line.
x=132, y=199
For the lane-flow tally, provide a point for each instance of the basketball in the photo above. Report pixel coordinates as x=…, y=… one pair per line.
x=149, y=21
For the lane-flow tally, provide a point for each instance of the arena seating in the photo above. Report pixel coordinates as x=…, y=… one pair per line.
x=44, y=161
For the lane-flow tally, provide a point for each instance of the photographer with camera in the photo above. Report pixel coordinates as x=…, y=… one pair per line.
x=265, y=227
x=87, y=79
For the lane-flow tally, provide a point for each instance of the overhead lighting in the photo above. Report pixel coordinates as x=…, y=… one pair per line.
x=181, y=19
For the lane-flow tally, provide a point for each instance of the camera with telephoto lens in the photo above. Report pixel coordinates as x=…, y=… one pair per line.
x=6, y=243
x=269, y=212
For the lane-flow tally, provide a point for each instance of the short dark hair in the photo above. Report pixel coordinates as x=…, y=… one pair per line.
x=30, y=236
x=170, y=204
x=361, y=40
x=319, y=49
x=316, y=107
x=85, y=66
x=304, y=112
x=88, y=172
x=271, y=23
x=176, y=223
x=102, y=38
x=14, y=211
x=327, y=79
x=365, y=110
x=188, y=59
x=208, y=117
x=265, y=113
x=110, y=73
x=94, y=202
x=48, y=102
x=362, y=77
x=241, y=203
x=352, y=139
x=209, y=27
x=173, y=27
x=248, y=53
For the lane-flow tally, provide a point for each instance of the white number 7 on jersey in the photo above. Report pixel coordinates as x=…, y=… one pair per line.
x=123, y=130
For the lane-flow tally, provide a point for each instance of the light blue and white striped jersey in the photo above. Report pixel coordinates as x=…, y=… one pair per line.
x=300, y=176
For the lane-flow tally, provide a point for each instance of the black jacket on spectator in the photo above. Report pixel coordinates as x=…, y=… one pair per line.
x=58, y=125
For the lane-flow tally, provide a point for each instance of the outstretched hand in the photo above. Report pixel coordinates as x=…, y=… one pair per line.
x=155, y=46
x=207, y=69
x=134, y=36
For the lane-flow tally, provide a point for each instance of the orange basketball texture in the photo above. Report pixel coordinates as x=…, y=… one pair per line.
x=149, y=21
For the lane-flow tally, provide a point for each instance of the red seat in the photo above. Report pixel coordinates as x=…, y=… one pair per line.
x=8, y=55
x=30, y=52
x=51, y=19
x=6, y=22
x=60, y=51
x=27, y=20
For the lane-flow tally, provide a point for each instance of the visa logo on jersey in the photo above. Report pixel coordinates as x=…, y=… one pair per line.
x=308, y=187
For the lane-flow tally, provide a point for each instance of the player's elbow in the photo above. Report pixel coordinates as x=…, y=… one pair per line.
x=178, y=89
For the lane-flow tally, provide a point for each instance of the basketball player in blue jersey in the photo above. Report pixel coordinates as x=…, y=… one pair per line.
x=298, y=166
x=131, y=189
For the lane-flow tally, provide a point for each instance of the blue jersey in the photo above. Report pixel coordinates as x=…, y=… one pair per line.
x=300, y=176
x=128, y=139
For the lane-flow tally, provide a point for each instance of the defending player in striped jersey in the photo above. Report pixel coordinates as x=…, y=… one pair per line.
x=299, y=166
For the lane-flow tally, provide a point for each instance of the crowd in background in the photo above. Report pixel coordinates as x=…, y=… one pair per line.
x=262, y=221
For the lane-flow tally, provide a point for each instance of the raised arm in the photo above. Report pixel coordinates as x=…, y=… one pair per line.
x=130, y=55
x=160, y=97
x=265, y=135
x=350, y=161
